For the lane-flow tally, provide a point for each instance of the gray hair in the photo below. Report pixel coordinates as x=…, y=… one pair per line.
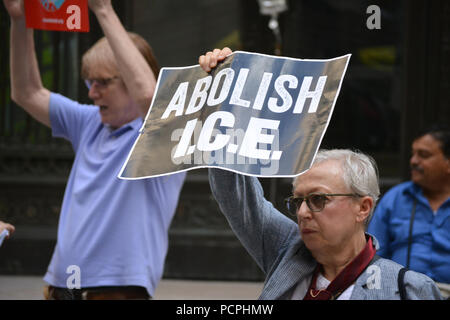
x=360, y=172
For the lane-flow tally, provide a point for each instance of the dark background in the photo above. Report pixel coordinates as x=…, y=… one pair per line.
x=398, y=81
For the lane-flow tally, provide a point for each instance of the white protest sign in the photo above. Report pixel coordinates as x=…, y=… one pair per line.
x=254, y=114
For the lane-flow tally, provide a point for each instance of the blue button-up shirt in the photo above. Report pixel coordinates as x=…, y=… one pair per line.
x=430, y=249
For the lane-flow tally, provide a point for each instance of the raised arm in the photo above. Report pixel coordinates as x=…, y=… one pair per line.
x=135, y=72
x=26, y=85
x=261, y=228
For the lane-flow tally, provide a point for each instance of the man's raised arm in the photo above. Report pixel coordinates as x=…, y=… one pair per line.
x=26, y=85
x=134, y=70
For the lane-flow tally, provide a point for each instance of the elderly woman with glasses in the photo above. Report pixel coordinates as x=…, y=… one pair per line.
x=326, y=255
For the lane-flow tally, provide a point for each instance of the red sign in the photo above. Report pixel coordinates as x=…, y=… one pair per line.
x=58, y=15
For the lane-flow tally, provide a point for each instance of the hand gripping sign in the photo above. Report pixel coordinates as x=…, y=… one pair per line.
x=58, y=15
x=254, y=114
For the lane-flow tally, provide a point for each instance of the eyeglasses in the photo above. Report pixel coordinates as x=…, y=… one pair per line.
x=315, y=201
x=101, y=83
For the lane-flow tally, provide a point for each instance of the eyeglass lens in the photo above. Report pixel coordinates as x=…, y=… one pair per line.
x=102, y=83
x=315, y=202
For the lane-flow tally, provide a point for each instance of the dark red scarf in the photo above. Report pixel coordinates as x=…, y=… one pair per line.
x=344, y=279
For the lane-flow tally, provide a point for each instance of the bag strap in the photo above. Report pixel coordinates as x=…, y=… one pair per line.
x=401, y=283
x=411, y=223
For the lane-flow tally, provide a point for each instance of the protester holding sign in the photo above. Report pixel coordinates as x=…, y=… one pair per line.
x=112, y=234
x=327, y=255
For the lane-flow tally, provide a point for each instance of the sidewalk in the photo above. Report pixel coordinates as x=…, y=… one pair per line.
x=30, y=288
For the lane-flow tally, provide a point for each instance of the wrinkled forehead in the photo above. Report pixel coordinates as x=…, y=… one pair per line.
x=326, y=176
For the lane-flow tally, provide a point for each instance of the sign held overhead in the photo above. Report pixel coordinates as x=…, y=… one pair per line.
x=254, y=114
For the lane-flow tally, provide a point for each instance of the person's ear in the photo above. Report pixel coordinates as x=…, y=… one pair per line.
x=365, y=206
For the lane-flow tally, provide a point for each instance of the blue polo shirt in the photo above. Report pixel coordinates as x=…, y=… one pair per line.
x=430, y=250
x=115, y=231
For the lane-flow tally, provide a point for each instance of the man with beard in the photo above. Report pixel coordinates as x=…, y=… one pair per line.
x=412, y=221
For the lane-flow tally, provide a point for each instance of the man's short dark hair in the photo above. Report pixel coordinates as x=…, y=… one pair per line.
x=440, y=132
